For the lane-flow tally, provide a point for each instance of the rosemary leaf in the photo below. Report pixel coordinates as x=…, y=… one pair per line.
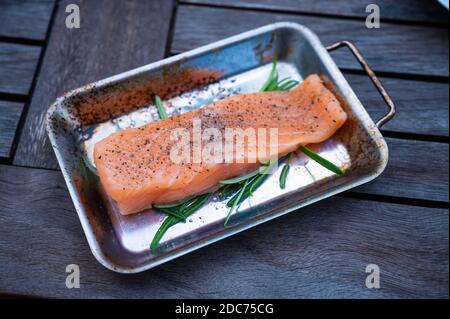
x=246, y=191
x=196, y=204
x=322, y=161
x=117, y=126
x=256, y=183
x=253, y=184
x=273, y=85
x=168, y=222
x=157, y=206
x=89, y=165
x=240, y=179
x=175, y=204
x=160, y=107
x=283, y=175
x=286, y=86
x=272, y=76
x=228, y=190
x=173, y=212
x=285, y=171
x=284, y=81
x=235, y=203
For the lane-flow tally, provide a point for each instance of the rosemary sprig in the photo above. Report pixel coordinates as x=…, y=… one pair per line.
x=253, y=183
x=272, y=83
x=320, y=160
x=186, y=209
x=249, y=186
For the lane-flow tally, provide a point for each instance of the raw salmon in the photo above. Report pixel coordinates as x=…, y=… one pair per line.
x=136, y=168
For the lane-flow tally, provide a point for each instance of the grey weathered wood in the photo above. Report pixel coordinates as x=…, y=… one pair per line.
x=17, y=66
x=405, y=10
x=416, y=170
x=115, y=36
x=422, y=107
x=319, y=251
x=9, y=119
x=27, y=19
x=392, y=48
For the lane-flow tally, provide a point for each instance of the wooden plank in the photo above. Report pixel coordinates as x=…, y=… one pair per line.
x=75, y=57
x=9, y=119
x=319, y=251
x=405, y=10
x=17, y=66
x=422, y=106
x=394, y=48
x=416, y=169
x=26, y=19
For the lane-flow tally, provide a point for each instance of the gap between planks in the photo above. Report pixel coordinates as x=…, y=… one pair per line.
x=24, y=114
x=281, y=10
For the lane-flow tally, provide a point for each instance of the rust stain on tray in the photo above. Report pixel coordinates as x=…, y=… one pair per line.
x=113, y=100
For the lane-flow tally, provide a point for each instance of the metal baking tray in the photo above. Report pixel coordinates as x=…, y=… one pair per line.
x=78, y=119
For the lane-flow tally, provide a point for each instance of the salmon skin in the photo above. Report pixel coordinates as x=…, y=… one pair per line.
x=137, y=168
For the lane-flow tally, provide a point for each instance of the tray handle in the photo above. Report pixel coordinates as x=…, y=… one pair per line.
x=390, y=114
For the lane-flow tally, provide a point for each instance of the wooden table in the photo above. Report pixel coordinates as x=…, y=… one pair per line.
x=400, y=221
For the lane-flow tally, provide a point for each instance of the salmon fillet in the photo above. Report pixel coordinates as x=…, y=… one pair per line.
x=136, y=168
